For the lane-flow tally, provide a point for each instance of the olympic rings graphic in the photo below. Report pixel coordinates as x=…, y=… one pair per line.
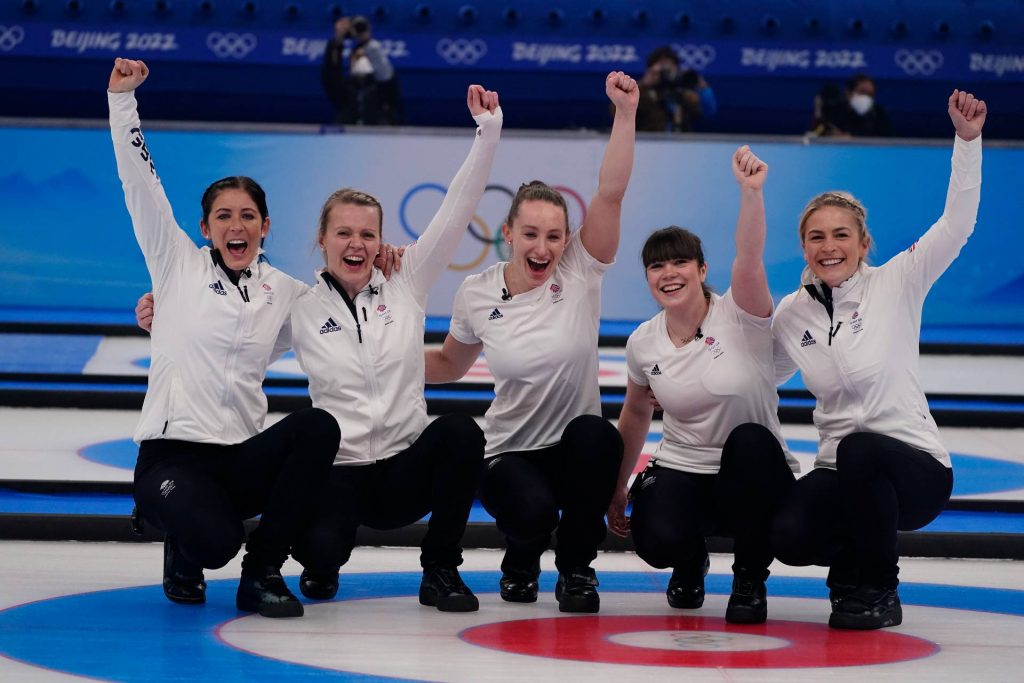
x=461, y=50
x=696, y=57
x=10, y=37
x=918, y=62
x=478, y=228
x=234, y=45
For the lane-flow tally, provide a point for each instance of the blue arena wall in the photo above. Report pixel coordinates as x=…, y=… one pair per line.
x=66, y=239
x=257, y=60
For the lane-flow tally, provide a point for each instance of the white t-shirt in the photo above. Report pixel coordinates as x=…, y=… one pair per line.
x=710, y=386
x=541, y=347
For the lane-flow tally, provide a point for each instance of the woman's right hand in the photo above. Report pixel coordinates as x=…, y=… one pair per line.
x=144, y=312
x=618, y=521
x=480, y=100
x=127, y=75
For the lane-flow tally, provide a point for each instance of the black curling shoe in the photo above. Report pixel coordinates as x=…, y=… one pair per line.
x=748, y=603
x=577, y=591
x=516, y=588
x=266, y=593
x=317, y=586
x=184, y=582
x=443, y=588
x=687, y=592
x=867, y=608
x=838, y=592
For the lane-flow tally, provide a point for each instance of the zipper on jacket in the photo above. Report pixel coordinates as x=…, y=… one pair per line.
x=244, y=291
x=364, y=314
x=333, y=284
x=824, y=297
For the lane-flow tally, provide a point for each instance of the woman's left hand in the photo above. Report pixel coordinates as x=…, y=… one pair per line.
x=967, y=113
x=388, y=259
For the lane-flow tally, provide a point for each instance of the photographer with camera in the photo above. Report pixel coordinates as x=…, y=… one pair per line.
x=670, y=99
x=364, y=90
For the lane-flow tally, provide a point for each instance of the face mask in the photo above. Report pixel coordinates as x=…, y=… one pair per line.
x=362, y=67
x=861, y=103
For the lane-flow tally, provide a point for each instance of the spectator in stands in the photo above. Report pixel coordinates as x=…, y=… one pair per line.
x=829, y=105
x=857, y=115
x=670, y=99
x=365, y=90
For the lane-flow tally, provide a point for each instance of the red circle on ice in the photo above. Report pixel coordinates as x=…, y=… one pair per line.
x=671, y=640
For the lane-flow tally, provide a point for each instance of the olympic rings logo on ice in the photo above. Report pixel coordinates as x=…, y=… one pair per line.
x=696, y=57
x=478, y=228
x=234, y=45
x=918, y=62
x=10, y=37
x=461, y=50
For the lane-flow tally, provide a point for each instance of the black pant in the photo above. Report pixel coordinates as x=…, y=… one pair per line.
x=200, y=494
x=673, y=511
x=524, y=491
x=847, y=518
x=436, y=474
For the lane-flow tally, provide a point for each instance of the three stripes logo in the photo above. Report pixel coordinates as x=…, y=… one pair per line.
x=655, y=370
x=329, y=326
x=807, y=339
x=218, y=288
x=495, y=314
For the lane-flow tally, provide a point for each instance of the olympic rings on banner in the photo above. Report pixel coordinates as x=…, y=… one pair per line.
x=461, y=50
x=478, y=228
x=696, y=57
x=918, y=62
x=234, y=45
x=10, y=37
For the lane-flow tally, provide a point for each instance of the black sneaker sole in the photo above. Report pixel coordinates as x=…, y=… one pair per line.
x=318, y=593
x=521, y=598
x=275, y=610
x=579, y=605
x=742, y=615
x=685, y=604
x=185, y=599
x=453, y=603
x=856, y=622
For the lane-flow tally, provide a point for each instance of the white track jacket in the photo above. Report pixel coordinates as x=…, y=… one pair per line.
x=211, y=340
x=368, y=370
x=867, y=379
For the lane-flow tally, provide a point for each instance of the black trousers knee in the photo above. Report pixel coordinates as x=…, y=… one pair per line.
x=673, y=511
x=525, y=490
x=847, y=518
x=200, y=494
x=437, y=474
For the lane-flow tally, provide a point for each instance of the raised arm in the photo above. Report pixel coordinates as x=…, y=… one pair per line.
x=156, y=230
x=437, y=245
x=601, y=228
x=937, y=249
x=451, y=362
x=749, y=281
x=634, y=423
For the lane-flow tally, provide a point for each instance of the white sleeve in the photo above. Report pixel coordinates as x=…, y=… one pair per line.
x=580, y=262
x=785, y=366
x=633, y=369
x=424, y=261
x=461, y=326
x=929, y=258
x=163, y=243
